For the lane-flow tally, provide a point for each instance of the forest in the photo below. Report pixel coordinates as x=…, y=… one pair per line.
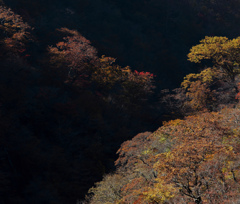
x=119, y=102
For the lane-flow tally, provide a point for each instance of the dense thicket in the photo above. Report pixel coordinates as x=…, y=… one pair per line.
x=193, y=160
x=67, y=103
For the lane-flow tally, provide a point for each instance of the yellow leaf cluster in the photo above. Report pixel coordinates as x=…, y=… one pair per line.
x=224, y=53
x=160, y=192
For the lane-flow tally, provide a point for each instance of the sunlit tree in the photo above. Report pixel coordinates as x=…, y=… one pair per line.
x=224, y=54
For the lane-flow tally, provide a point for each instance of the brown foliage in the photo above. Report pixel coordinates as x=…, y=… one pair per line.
x=77, y=63
x=205, y=91
x=195, y=160
x=200, y=163
x=74, y=52
x=15, y=32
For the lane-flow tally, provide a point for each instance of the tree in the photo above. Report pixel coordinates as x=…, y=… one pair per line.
x=202, y=91
x=108, y=190
x=201, y=88
x=224, y=54
x=202, y=163
x=76, y=53
x=77, y=63
x=136, y=160
x=134, y=172
x=15, y=33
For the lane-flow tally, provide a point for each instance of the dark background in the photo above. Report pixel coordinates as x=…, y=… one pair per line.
x=152, y=35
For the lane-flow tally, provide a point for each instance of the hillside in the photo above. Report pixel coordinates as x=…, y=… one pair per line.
x=195, y=160
x=80, y=78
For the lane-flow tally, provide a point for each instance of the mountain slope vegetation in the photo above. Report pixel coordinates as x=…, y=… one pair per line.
x=80, y=78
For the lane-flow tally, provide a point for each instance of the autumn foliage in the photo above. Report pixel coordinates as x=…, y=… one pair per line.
x=76, y=61
x=195, y=159
x=202, y=163
x=15, y=33
x=223, y=53
x=213, y=86
x=191, y=160
x=65, y=110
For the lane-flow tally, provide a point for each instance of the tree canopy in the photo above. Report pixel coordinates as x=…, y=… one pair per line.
x=223, y=53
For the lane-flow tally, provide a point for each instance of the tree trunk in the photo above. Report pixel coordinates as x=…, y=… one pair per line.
x=198, y=200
